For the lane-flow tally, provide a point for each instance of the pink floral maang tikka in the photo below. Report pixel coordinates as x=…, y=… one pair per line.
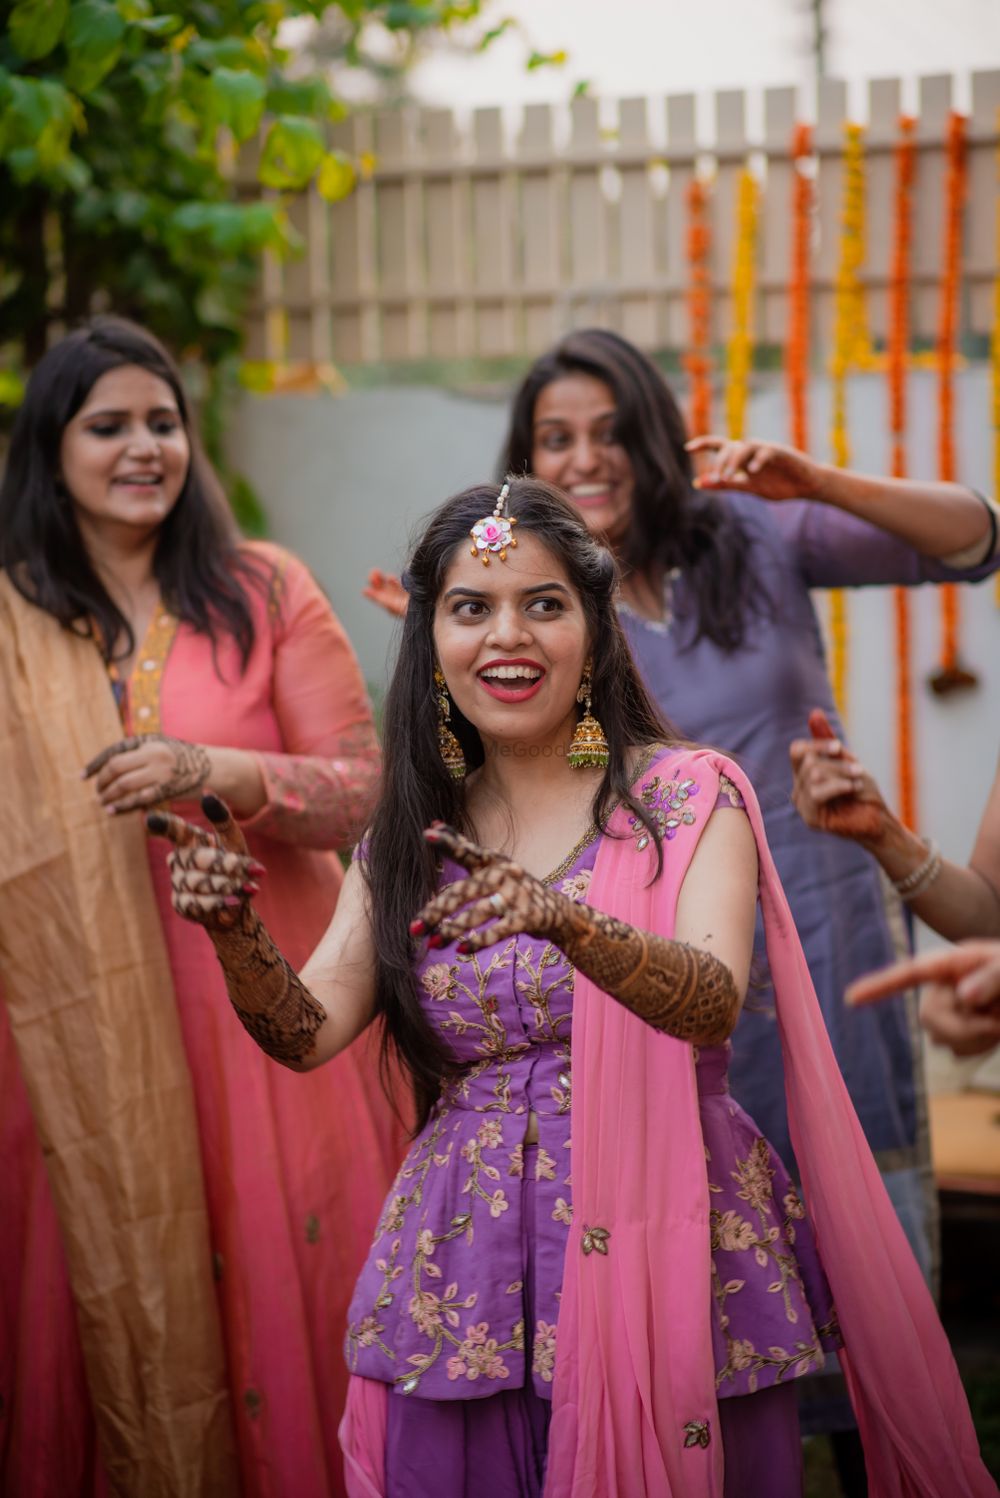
x=494, y=532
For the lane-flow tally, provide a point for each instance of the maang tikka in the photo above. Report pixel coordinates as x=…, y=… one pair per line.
x=494, y=532
x=588, y=746
x=449, y=747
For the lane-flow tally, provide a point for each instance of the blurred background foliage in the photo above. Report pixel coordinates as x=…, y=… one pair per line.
x=120, y=126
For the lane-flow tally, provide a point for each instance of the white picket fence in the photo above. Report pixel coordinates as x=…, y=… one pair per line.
x=467, y=244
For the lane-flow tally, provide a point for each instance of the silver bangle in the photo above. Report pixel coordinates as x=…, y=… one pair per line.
x=917, y=880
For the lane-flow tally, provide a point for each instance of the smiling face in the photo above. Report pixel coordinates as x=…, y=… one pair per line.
x=125, y=455
x=574, y=447
x=512, y=640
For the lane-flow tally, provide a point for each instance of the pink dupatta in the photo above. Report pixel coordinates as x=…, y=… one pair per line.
x=635, y=1389
x=633, y=1408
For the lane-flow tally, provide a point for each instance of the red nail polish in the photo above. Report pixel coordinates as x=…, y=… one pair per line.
x=435, y=940
x=250, y=889
x=463, y=947
x=417, y=928
x=255, y=868
x=231, y=901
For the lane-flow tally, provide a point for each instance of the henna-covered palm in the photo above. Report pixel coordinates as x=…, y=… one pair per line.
x=497, y=891
x=184, y=770
x=686, y=992
x=212, y=878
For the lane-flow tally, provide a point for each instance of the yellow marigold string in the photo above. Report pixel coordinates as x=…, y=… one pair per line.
x=697, y=361
x=950, y=675
x=739, y=349
x=797, y=344
x=851, y=350
x=905, y=160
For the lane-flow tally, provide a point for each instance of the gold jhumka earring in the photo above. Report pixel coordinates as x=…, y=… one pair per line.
x=494, y=532
x=588, y=746
x=449, y=747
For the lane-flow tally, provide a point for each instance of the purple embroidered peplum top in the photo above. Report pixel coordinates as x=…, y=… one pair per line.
x=439, y=1308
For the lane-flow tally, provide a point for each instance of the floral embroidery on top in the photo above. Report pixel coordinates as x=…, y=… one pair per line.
x=771, y=1241
x=577, y=885
x=667, y=801
x=731, y=791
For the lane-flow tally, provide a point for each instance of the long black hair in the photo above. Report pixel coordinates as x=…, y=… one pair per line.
x=672, y=524
x=399, y=867
x=197, y=562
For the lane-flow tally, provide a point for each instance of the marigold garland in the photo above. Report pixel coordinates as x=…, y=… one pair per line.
x=739, y=349
x=797, y=344
x=905, y=159
x=950, y=675
x=698, y=361
x=851, y=350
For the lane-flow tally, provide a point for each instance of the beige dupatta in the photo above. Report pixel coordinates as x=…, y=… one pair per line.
x=88, y=989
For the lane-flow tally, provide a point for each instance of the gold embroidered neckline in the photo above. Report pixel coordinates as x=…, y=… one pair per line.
x=146, y=677
x=593, y=831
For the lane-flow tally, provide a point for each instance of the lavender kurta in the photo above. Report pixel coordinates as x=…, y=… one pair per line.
x=439, y=1309
x=752, y=704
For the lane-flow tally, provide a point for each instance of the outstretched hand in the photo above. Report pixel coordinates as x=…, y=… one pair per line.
x=832, y=790
x=497, y=891
x=387, y=591
x=960, y=1005
x=212, y=875
x=768, y=469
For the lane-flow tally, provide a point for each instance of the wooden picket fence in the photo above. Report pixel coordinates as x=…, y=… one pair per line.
x=463, y=244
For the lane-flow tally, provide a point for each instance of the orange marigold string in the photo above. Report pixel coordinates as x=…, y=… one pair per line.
x=698, y=360
x=905, y=158
x=739, y=349
x=950, y=675
x=797, y=345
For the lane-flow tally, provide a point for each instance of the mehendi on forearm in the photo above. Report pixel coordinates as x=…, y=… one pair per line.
x=674, y=987
x=273, y=1004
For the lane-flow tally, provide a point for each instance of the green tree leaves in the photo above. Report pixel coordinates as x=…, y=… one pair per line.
x=36, y=26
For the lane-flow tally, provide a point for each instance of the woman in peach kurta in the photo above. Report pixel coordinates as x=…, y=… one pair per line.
x=180, y=1223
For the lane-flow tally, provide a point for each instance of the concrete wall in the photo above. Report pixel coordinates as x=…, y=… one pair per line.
x=347, y=480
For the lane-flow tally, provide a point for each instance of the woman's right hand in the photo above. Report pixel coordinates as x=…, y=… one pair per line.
x=212, y=875
x=832, y=790
x=387, y=591
x=768, y=469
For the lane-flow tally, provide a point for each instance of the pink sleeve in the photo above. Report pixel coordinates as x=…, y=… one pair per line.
x=321, y=791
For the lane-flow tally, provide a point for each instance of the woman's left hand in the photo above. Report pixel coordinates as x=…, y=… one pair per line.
x=768, y=469
x=145, y=769
x=496, y=890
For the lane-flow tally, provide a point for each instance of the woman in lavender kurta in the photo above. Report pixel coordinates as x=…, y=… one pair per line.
x=717, y=610
x=587, y=1224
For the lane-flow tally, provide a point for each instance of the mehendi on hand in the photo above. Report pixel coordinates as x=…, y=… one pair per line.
x=212, y=877
x=686, y=992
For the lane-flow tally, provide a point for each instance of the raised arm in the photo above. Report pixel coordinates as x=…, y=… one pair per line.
x=300, y=1021
x=858, y=529
x=833, y=791
x=690, y=987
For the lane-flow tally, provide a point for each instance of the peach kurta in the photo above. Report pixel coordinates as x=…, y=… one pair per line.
x=294, y=1166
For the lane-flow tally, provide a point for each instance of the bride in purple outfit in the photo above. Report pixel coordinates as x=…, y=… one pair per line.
x=592, y=1275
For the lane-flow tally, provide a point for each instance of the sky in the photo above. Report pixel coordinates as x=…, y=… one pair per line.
x=624, y=48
